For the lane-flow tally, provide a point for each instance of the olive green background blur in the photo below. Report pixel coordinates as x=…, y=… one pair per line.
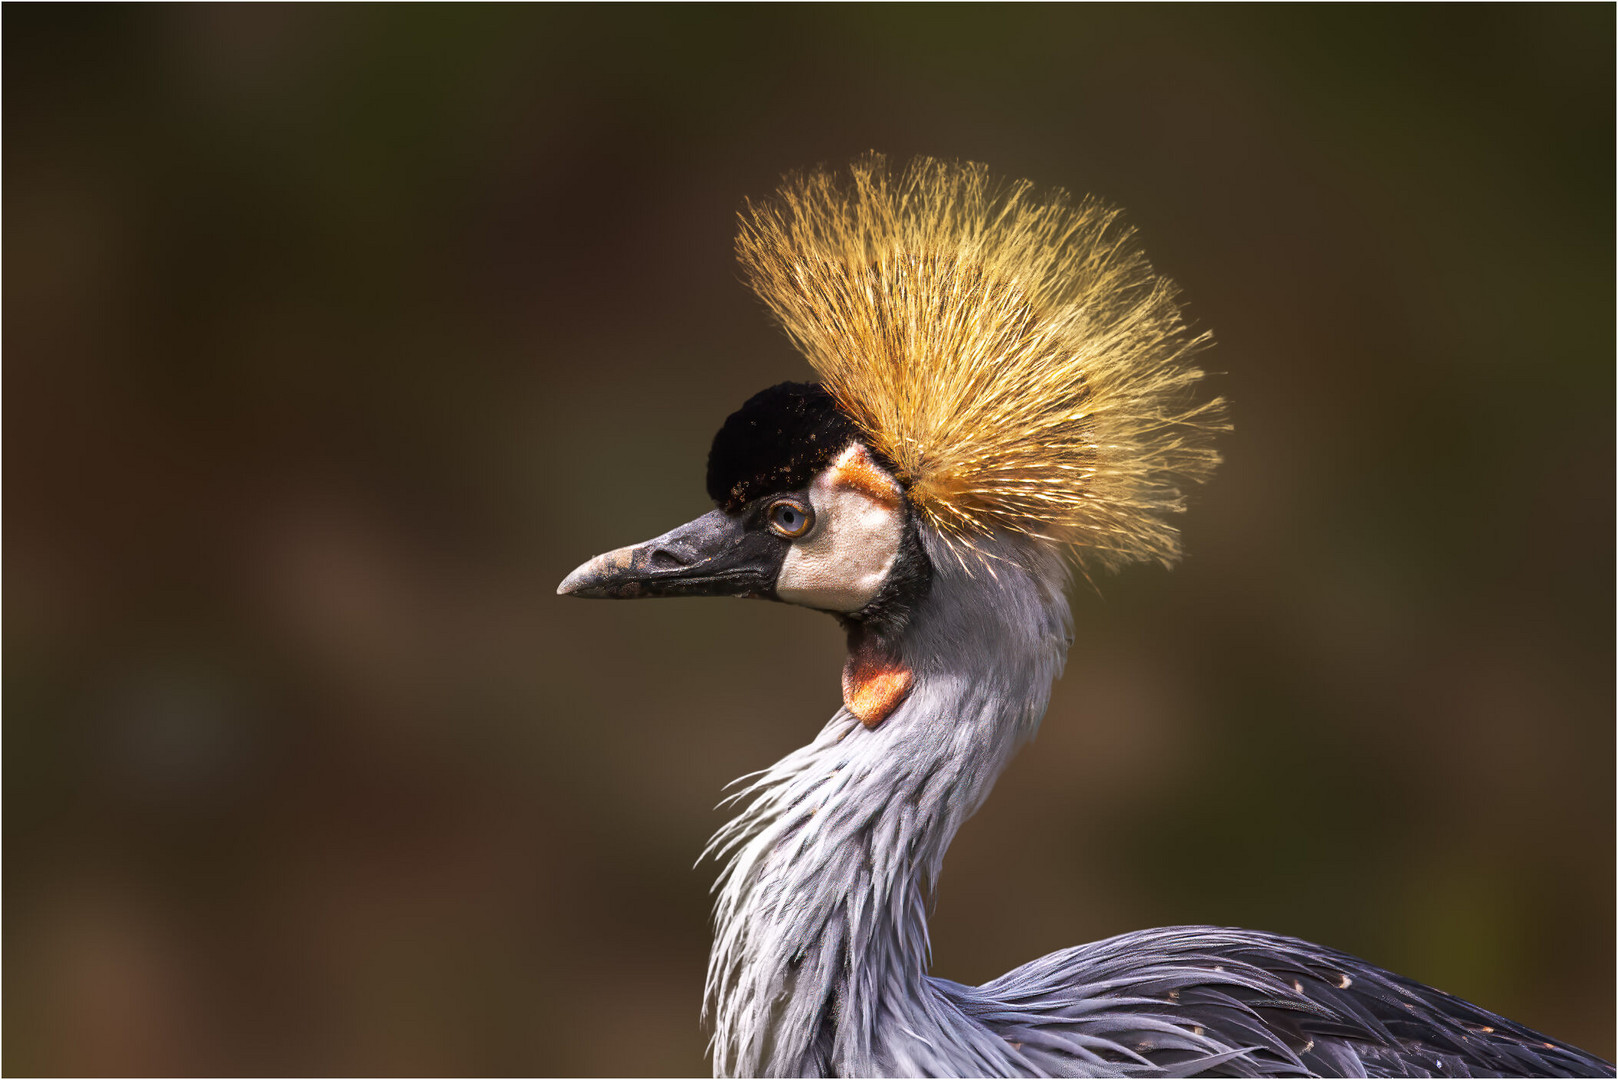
x=335, y=337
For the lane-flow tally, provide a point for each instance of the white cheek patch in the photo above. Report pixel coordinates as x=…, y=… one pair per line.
x=845, y=560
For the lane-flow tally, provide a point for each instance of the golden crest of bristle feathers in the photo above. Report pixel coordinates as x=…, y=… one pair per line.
x=1014, y=356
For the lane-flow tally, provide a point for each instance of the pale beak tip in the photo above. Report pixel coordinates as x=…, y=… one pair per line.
x=577, y=579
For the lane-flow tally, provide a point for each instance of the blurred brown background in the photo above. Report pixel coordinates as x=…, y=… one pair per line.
x=334, y=338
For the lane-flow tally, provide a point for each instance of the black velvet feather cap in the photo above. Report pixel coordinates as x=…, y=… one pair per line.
x=776, y=441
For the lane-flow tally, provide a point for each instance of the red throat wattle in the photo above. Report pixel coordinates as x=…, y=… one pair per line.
x=874, y=684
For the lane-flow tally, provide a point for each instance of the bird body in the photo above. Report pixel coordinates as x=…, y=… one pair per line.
x=1008, y=396
x=822, y=908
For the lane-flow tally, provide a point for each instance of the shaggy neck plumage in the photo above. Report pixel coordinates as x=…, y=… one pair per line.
x=820, y=953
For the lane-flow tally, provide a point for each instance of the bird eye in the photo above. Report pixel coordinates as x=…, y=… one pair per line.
x=790, y=519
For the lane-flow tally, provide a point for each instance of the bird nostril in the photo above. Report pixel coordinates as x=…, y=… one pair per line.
x=664, y=559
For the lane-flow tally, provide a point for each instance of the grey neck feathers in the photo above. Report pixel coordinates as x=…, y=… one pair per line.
x=820, y=956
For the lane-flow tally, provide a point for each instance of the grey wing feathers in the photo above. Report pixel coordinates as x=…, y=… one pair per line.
x=1206, y=1001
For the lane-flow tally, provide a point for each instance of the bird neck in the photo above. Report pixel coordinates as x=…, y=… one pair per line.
x=820, y=956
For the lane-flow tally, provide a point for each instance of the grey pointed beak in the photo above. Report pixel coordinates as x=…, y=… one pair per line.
x=715, y=555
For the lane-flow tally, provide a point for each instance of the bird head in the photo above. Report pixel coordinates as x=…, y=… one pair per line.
x=998, y=368
x=806, y=513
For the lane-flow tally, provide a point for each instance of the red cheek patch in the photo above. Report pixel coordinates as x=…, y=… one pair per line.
x=855, y=470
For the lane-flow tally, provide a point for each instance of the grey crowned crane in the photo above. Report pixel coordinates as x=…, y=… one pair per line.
x=1006, y=394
